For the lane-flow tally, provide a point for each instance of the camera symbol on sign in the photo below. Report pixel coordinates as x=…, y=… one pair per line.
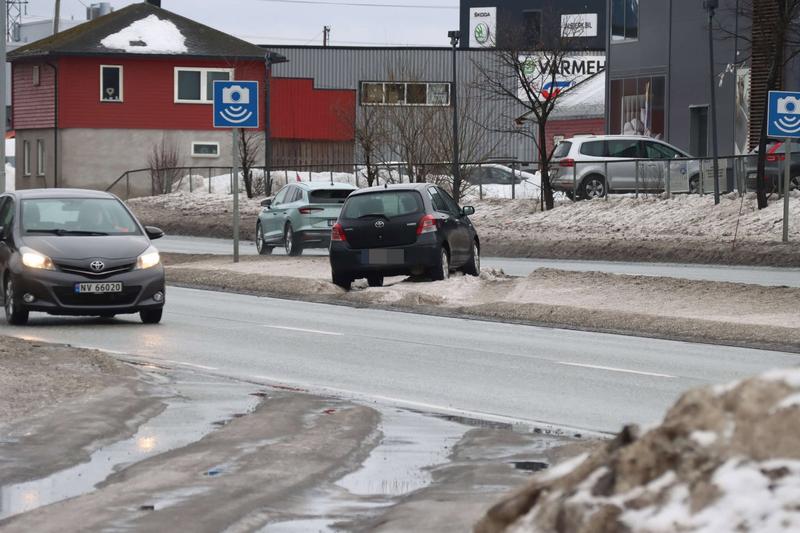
x=235, y=100
x=235, y=94
x=789, y=105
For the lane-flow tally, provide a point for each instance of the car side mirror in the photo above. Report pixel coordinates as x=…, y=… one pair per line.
x=267, y=204
x=467, y=210
x=153, y=232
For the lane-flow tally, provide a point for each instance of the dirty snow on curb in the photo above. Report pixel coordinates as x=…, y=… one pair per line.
x=149, y=35
x=749, y=501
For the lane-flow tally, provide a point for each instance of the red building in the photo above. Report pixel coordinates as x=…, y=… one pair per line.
x=93, y=102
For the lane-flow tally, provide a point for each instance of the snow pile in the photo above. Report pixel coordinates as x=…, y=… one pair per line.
x=149, y=35
x=723, y=459
x=645, y=218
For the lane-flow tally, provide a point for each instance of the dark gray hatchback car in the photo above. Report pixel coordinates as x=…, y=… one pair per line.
x=409, y=229
x=77, y=252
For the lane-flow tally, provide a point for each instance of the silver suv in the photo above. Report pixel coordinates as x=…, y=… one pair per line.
x=594, y=165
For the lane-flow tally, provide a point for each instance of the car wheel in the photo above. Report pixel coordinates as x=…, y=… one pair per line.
x=292, y=247
x=593, y=187
x=694, y=185
x=342, y=281
x=375, y=280
x=261, y=246
x=473, y=266
x=14, y=315
x=151, y=316
x=107, y=315
x=442, y=270
x=570, y=195
x=794, y=184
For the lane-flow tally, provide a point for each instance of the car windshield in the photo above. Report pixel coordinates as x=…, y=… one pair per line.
x=77, y=216
x=329, y=196
x=387, y=204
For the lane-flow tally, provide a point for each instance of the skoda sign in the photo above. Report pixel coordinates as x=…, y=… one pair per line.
x=482, y=27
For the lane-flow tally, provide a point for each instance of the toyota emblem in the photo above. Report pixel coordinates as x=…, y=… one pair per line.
x=97, y=266
x=379, y=224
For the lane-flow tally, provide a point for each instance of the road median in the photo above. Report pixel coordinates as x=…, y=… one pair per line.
x=696, y=311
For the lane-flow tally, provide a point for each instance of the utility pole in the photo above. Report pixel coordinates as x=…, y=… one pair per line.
x=455, y=37
x=56, y=16
x=711, y=5
x=326, y=35
x=13, y=16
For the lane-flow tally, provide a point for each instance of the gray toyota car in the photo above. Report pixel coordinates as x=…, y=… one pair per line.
x=77, y=252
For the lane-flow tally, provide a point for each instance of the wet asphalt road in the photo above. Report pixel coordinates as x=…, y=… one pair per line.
x=569, y=378
x=770, y=276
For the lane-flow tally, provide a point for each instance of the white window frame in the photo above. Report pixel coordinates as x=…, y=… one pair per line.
x=195, y=143
x=204, y=97
x=405, y=92
x=26, y=158
x=36, y=76
x=121, y=84
x=40, y=158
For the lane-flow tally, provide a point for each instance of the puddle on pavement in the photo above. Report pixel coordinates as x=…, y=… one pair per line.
x=190, y=414
x=399, y=465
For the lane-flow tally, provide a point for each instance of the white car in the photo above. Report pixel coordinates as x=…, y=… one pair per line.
x=590, y=166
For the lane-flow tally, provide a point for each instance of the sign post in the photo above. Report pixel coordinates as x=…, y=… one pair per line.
x=783, y=120
x=235, y=108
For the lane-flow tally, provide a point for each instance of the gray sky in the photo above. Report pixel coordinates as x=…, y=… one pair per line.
x=293, y=22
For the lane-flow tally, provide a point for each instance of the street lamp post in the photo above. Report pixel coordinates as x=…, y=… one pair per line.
x=711, y=5
x=455, y=37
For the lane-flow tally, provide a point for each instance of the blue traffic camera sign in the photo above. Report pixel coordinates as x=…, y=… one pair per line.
x=236, y=104
x=783, y=118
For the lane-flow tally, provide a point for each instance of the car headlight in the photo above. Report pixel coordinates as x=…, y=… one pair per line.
x=148, y=259
x=33, y=259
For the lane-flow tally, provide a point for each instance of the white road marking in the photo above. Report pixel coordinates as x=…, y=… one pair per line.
x=203, y=367
x=612, y=369
x=318, y=332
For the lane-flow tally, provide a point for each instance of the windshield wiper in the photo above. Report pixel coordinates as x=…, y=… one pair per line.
x=61, y=232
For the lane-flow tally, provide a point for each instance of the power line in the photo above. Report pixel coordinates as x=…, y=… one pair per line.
x=360, y=4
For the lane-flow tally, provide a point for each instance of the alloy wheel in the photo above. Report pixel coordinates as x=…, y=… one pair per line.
x=595, y=188
x=9, y=299
x=445, y=265
x=289, y=240
x=476, y=254
x=259, y=238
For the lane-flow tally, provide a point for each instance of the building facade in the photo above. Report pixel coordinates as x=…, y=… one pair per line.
x=90, y=103
x=501, y=23
x=658, y=67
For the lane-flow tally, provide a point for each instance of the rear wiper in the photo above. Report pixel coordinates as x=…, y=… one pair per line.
x=373, y=215
x=60, y=232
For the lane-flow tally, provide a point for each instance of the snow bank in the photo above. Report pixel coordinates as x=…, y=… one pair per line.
x=646, y=218
x=149, y=35
x=718, y=462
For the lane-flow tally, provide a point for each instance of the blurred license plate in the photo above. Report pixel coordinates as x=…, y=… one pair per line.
x=386, y=257
x=98, y=288
x=331, y=222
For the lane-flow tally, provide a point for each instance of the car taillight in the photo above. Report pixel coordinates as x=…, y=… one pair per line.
x=569, y=163
x=337, y=233
x=309, y=210
x=772, y=158
x=427, y=224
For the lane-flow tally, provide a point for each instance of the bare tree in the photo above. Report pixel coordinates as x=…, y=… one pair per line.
x=771, y=34
x=250, y=146
x=163, y=162
x=528, y=76
x=474, y=145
